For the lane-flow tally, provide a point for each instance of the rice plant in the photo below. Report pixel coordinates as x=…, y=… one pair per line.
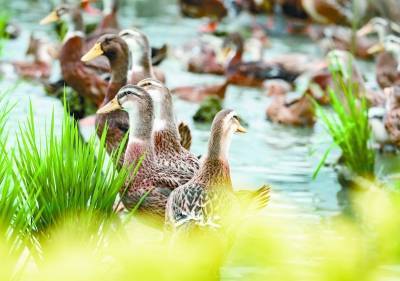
x=65, y=177
x=348, y=123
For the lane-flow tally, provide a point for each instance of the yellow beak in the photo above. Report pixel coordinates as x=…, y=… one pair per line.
x=223, y=55
x=52, y=17
x=377, y=48
x=241, y=129
x=365, y=30
x=93, y=53
x=109, y=107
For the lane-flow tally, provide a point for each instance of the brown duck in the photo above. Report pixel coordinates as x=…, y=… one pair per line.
x=85, y=79
x=150, y=187
x=251, y=74
x=167, y=142
x=199, y=93
x=208, y=198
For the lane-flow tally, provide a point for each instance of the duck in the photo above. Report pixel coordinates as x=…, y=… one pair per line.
x=43, y=54
x=199, y=93
x=386, y=63
x=87, y=80
x=205, y=60
x=250, y=74
x=340, y=37
x=214, y=10
x=116, y=50
x=168, y=148
x=334, y=11
x=208, y=200
x=141, y=66
x=392, y=117
x=149, y=187
x=292, y=110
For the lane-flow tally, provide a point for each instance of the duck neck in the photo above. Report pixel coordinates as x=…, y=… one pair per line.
x=119, y=63
x=215, y=173
x=145, y=59
x=218, y=146
x=164, y=116
x=140, y=126
x=237, y=55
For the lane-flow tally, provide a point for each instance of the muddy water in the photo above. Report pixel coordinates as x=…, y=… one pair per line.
x=281, y=156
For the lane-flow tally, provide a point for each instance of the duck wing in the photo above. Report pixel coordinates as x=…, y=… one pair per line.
x=254, y=199
x=185, y=135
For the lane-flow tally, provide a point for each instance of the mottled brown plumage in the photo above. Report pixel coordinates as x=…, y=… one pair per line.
x=152, y=184
x=208, y=199
x=167, y=146
x=392, y=118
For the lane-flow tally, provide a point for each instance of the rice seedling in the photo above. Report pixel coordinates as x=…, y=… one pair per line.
x=348, y=123
x=65, y=177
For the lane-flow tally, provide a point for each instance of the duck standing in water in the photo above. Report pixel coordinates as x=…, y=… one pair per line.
x=152, y=184
x=208, y=199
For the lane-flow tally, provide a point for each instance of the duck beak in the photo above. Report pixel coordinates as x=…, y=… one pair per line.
x=377, y=48
x=93, y=53
x=240, y=129
x=223, y=55
x=365, y=30
x=52, y=17
x=109, y=107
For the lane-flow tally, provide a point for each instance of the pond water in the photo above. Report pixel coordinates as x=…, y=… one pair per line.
x=281, y=156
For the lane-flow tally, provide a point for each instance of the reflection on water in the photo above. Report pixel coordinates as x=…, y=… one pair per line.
x=281, y=156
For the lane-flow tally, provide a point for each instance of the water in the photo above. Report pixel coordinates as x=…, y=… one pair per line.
x=281, y=156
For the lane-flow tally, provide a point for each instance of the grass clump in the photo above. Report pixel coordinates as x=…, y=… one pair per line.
x=348, y=123
x=66, y=177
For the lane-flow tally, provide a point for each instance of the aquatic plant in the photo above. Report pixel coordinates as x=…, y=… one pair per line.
x=208, y=109
x=65, y=176
x=4, y=18
x=348, y=123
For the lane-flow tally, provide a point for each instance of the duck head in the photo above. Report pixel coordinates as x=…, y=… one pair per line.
x=225, y=124
x=377, y=25
x=57, y=14
x=162, y=102
x=232, y=49
x=390, y=44
x=139, y=47
x=71, y=15
x=139, y=105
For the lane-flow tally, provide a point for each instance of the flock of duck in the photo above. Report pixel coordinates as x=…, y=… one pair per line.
x=170, y=182
x=117, y=71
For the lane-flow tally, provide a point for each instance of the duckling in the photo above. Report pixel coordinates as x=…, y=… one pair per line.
x=151, y=185
x=141, y=67
x=208, y=199
x=292, y=110
x=251, y=74
x=166, y=137
x=199, y=93
x=84, y=79
x=43, y=54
